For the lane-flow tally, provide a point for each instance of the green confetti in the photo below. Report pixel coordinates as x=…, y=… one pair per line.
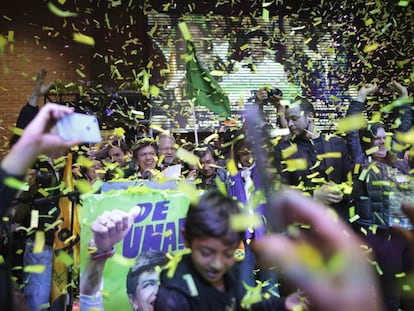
x=58, y=12
x=84, y=39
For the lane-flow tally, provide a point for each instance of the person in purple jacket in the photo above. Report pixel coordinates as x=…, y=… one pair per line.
x=243, y=187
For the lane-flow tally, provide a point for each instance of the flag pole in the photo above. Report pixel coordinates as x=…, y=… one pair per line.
x=194, y=122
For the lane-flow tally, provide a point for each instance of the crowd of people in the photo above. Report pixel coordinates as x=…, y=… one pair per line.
x=345, y=241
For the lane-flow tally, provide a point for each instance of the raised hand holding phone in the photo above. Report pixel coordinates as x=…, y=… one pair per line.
x=79, y=126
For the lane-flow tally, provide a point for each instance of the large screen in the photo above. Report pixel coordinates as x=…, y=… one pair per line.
x=244, y=54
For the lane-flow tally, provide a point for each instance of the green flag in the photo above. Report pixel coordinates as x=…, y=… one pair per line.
x=202, y=88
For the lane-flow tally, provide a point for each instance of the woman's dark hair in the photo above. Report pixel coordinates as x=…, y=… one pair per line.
x=367, y=136
x=142, y=143
x=241, y=145
x=146, y=262
x=211, y=218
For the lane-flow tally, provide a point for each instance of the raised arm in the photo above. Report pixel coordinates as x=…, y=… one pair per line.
x=40, y=87
x=36, y=139
x=108, y=229
x=403, y=113
x=356, y=107
x=262, y=96
x=30, y=110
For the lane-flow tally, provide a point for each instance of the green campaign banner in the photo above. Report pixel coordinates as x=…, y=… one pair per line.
x=157, y=227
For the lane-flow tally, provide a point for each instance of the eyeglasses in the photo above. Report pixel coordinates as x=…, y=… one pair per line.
x=171, y=149
x=146, y=154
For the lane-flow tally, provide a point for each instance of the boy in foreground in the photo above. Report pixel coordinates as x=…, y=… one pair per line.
x=207, y=278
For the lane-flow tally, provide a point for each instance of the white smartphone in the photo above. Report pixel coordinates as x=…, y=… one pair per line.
x=79, y=126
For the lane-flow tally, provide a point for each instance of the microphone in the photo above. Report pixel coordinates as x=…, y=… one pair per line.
x=147, y=174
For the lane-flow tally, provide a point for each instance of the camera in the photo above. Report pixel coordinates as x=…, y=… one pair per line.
x=44, y=179
x=274, y=92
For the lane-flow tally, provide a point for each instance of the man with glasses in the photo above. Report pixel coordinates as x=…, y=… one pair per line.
x=166, y=150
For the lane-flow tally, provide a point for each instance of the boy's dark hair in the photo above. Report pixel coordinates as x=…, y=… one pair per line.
x=146, y=262
x=211, y=218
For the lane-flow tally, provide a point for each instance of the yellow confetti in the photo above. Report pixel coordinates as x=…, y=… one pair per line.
x=14, y=183
x=83, y=185
x=241, y=222
x=64, y=258
x=397, y=103
x=34, y=268
x=289, y=151
x=58, y=12
x=371, y=150
x=296, y=164
x=34, y=218
x=307, y=41
x=10, y=36
x=69, y=239
x=187, y=156
x=191, y=284
x=403, y=3
x=119, y=132
x=329, y=170
x=43, y=192
x=253, y=295
x=171, y=266
x=167, y=233
x=368, y=22
x=189, y=190
x=84, y=161
x=80, y=73
x=334, y=155
x=351, y=123
x=407, y=138
x=39, y=242
x=370, y=48
x=232, y=167
x=53, y=225
x=84, y=39
x=210, y=138
x=221, y=186
x=279, y=132
x=185, y=31
x=265, y=14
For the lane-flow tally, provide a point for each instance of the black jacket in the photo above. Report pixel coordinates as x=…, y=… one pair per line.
x=328, y=159
x=371, y=187
x=186, y=291
x=7, y=194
